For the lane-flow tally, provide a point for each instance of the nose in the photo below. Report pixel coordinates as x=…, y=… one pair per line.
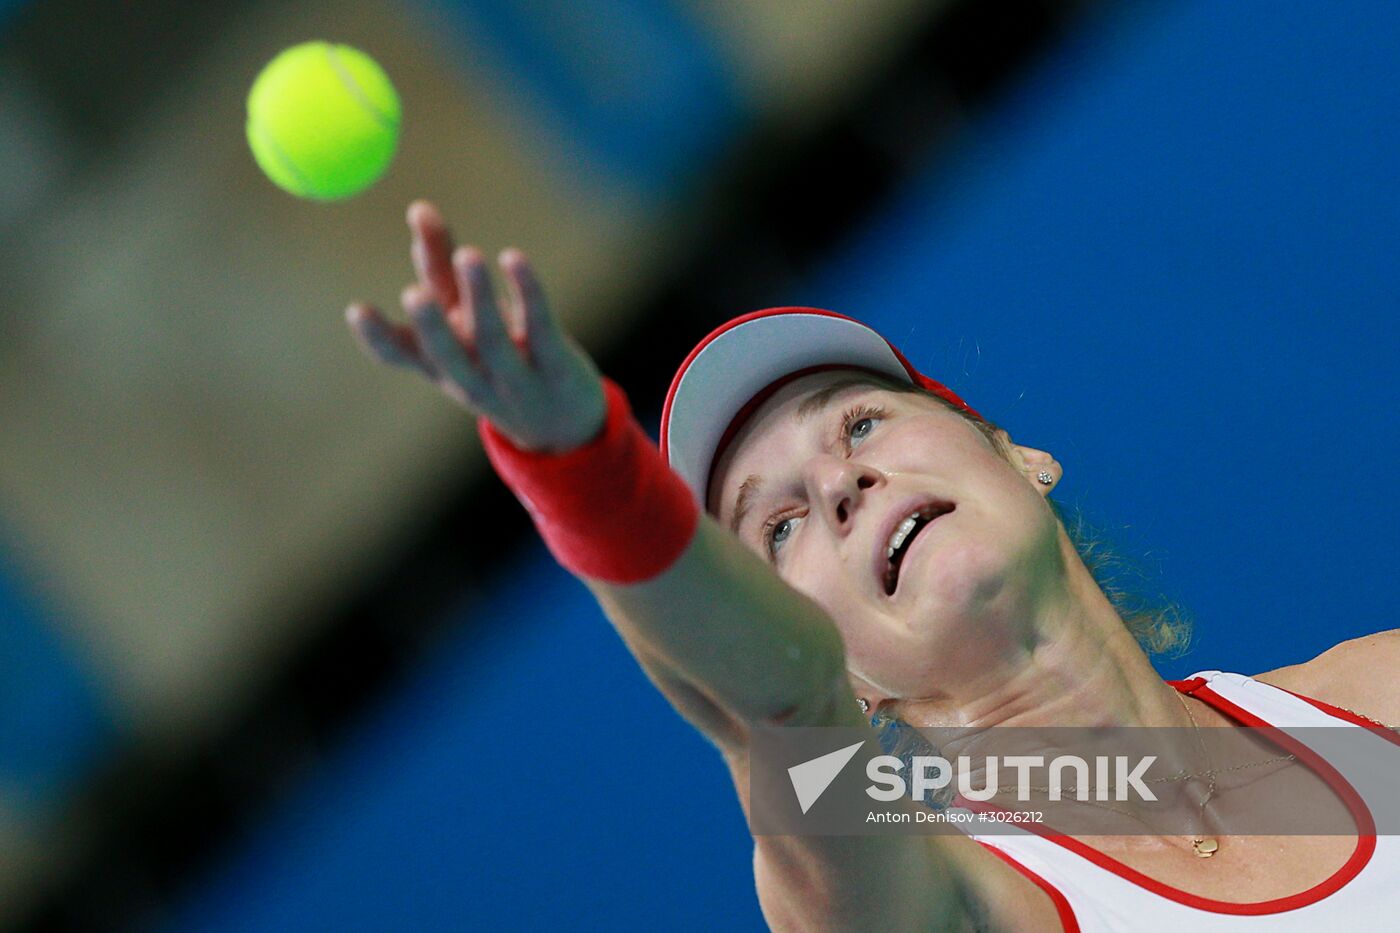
x=836, y=488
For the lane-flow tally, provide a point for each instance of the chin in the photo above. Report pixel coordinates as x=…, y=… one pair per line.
x=969, y=607
x=962, y=578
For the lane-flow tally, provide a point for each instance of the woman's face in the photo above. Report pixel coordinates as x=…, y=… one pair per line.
x=930, y=548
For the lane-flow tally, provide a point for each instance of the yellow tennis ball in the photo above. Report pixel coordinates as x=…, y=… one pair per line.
x=323, y=120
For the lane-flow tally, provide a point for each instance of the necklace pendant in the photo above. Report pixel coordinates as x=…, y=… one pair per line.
x=1205, y=848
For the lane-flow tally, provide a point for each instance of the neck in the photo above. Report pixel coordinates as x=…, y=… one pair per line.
x=1081, y=668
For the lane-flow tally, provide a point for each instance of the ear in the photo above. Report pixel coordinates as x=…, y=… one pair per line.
x=1041, y=470
x=1036, y=465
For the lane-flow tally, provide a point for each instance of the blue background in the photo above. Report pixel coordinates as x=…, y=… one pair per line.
x=1167, y=256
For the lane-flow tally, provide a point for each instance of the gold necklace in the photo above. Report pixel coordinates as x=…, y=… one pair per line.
x=1182, y=775
x=1203, y=845
x=1374, y=722
x=1206, y=846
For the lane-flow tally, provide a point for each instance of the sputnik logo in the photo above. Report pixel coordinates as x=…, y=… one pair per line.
x=811, y=778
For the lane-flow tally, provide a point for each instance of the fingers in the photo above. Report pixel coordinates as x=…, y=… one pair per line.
x=540, y=335
x=432, y=251
x=441, y=348
x=458, y=334
x=488, y=330
x=391, y=344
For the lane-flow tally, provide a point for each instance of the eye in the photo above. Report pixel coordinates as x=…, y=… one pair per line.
x=858, y=424
x=778, y=531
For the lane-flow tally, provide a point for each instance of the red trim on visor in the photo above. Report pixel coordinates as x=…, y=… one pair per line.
x=700, y=347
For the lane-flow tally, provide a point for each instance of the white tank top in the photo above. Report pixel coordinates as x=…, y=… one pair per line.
x=1094, y=892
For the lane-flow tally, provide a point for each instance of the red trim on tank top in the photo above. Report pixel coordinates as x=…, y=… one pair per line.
x=1360, y=856
x=1370, y=725
x=1068, y=921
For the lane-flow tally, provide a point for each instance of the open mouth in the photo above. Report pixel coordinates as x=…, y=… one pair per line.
x=903, y=536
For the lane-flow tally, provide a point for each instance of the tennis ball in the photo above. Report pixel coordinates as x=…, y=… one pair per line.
x=323, y=121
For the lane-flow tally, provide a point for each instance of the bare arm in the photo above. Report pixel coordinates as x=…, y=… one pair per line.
x=747, y=644
x=722, y=636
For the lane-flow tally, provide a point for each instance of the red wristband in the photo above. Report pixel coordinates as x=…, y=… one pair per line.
x=610, y=510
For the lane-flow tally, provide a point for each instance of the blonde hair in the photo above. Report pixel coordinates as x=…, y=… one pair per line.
x=1160, y=624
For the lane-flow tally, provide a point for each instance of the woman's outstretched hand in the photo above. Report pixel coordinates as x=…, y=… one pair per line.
x=512, y=364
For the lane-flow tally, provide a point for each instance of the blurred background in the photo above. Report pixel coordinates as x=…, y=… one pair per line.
x=276, y=653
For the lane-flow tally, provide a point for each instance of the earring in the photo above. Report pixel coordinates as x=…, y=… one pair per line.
x=1045, y=477
x=864, y=704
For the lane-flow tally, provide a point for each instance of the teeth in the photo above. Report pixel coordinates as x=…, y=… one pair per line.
x=900, y=534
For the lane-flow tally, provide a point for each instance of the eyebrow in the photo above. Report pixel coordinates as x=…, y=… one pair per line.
x=747, y=490
x=820, y=399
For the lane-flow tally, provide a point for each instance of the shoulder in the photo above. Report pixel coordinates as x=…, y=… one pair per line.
x=1358, y=675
